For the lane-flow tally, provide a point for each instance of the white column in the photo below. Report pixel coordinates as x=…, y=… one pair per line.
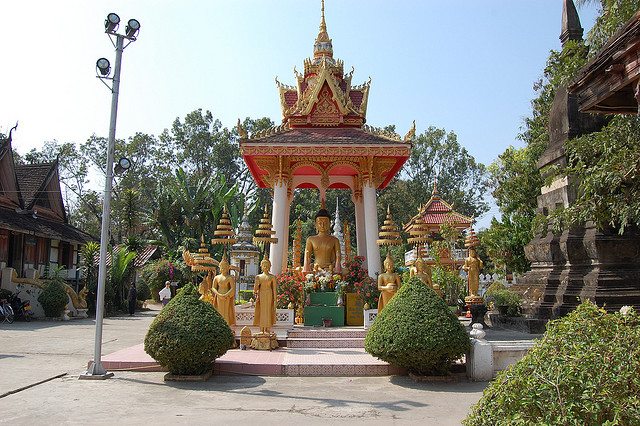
x=371, y=228
x=278, y=219
x=361, y=238
x=285, y=246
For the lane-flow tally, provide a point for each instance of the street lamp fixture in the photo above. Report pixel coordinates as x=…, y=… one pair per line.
x=123, y=165
x=111, y=23
x=103, y=68
x=133, y=26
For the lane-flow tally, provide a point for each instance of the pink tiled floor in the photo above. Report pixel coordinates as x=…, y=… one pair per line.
x=280, y=362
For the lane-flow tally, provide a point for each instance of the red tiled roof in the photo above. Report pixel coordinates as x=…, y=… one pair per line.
x=356, y=98
x=142, y=257
x=437, y=206
x=329, y=136
x=291, y=98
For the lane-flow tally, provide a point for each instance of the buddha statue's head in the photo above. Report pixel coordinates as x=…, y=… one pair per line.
x=224, y=265
x=323, y=221
x=388, y=263
x=265, y=265
x=419, y=264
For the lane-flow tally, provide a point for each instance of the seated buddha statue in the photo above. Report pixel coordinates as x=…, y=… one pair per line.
x=323, y=247
x=224, y=289
x=388, y=283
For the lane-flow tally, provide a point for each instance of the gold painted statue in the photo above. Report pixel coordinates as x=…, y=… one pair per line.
x=205, y=288
x=224, y=289
x=264, y=291
x=473, y=265
x=388, y=283
x=419, y=272
x=324, y=247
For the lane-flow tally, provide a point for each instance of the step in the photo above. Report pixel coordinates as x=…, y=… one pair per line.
x=334, y=342
x=326, y=333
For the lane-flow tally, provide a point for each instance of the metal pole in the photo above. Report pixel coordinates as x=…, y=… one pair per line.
x=96, y=370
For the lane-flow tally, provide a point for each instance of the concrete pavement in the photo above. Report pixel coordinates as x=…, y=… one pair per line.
x=33, y=352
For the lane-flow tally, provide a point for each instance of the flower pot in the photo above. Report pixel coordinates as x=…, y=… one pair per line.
x=327, y=322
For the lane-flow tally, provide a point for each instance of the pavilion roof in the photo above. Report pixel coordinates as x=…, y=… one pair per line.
x=438, y=212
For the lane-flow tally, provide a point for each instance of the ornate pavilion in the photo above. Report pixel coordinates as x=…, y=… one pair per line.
x=431, y=216
x=322, y=143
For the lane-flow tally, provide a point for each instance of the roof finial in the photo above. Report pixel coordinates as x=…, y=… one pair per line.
x=435, y=186
x=322, y=46
x=571, y=28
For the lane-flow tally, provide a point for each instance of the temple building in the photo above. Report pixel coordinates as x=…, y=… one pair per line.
x=432, y=216
x=35, y=233
x=322, y=143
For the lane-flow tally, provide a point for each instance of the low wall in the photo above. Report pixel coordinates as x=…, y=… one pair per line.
x=285, y=319
x=486, y=359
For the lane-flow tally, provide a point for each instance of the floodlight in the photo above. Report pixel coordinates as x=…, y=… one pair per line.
x=103, y=66
x=123, y=165
x=133, y=26
x=111, y=23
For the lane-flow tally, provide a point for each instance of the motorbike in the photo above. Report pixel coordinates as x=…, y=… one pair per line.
x=21, y=310
x=6, y=312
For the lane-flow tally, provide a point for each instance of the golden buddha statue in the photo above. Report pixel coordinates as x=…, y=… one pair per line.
x=388, y=283
x=264, y=291
x=324, y=247
x=223, y=288
x=473, y=265
x=205, y=288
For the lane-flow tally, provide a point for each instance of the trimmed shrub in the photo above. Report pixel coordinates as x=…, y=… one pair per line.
x=583, y=371
x=188, y=334
x=506, y=300
x=417, y=331
x=53, y=298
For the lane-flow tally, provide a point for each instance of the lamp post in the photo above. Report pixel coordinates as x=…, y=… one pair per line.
x=103, y=67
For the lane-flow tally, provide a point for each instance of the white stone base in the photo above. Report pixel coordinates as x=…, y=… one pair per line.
x=485, y=359
x=369, y=316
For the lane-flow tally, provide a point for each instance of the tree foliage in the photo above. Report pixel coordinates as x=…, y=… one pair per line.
x=583, y=371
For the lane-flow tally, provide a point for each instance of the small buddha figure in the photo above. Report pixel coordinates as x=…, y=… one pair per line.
x=223, y=288
x=388, y=283
x=264, y=291
x=205, y=288
x=420, y=273
x=324, y=247
x=473, y=265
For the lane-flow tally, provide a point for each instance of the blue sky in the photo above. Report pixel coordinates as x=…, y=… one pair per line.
x=464, y=65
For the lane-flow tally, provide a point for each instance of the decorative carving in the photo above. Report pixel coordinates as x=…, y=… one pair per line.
x=411, y=134
x=400, y=150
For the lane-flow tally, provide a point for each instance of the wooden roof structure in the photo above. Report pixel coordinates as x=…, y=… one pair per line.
x=437, y=212
x=609, y=83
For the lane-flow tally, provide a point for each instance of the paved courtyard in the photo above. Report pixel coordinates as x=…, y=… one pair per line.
x=55, y=353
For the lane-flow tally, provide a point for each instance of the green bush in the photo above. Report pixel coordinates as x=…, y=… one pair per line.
x=188, y=334
x=143, y=292
x=417, y=331
x=508, y=299
x=583, y=371
x=155, y=274
x=245, y=295
x=53, y=298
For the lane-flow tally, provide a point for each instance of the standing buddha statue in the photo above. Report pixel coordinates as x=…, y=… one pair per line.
x=264, y=291
x=388, y=283
x=224, y=290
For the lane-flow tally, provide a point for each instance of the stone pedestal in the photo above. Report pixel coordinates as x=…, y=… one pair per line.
x=264, y=341
x=581, y=263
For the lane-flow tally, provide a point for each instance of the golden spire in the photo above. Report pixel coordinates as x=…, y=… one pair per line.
x=323, y=46
x=389, y=234
x=224, y=231
x=265, y=232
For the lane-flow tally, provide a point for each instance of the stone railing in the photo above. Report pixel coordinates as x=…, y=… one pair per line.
x=369, y=316
x=245, y=316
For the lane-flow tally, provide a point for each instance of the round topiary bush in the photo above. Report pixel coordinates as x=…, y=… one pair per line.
x=417, y=331
x=188, y=334
x=53, y=299
x=583, y=371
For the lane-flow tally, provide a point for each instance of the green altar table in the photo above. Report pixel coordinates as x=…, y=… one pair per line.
x=324, y=306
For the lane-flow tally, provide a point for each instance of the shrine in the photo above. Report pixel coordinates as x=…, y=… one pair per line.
x=324, y=143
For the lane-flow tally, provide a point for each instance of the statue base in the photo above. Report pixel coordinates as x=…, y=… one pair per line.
x=264, y=341
x=472, y=300
x=82, y=313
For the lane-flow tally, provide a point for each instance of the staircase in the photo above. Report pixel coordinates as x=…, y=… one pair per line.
x=307, y=337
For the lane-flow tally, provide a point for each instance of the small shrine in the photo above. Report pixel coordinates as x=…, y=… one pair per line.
x=324, y=143
x=245, y=256
x=426, y=227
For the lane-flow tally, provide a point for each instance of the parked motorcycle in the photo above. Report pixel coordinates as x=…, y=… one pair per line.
x=6, y=312
x=21, y=310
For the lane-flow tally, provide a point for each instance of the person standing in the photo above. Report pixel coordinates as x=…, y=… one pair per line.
x=165, y=293
x=132, y=299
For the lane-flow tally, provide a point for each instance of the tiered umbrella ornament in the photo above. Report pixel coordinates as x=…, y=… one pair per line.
x=200, y=261
x=420, y=235
x=389, y=234
x=472, y=240
x=264, y=235
x=224, y=235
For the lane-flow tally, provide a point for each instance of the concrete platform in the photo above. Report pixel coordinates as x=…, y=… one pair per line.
x=330, y=362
